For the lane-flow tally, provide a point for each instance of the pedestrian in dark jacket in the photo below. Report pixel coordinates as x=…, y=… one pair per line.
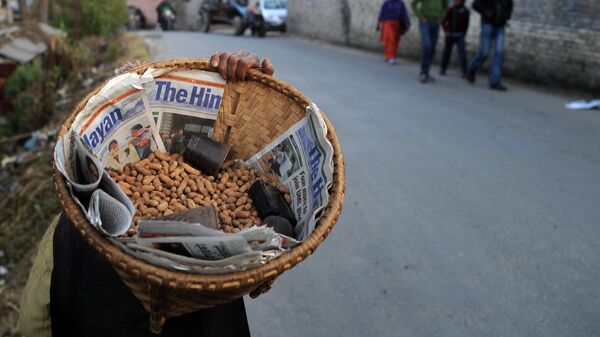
x=494, y=16
x=430, y=14
x=393, y=22
x=455, y=24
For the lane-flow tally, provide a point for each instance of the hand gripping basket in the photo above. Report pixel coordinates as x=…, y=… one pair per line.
x=252, y=114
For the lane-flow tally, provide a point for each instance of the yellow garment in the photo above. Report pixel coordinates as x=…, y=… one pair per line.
x=34, y=316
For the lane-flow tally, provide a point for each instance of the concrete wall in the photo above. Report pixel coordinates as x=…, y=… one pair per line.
x=554, y=42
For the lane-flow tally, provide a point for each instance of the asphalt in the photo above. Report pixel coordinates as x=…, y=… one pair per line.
x=468, y=212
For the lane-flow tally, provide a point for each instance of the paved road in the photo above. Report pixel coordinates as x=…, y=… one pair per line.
x=468, y=212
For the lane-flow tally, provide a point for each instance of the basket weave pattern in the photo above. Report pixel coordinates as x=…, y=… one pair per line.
x=253, y=113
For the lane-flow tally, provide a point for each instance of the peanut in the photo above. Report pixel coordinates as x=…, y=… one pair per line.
x=165, y=179
x=163, y=184
x=182, y=186
x=189, y=169
x=162, y=156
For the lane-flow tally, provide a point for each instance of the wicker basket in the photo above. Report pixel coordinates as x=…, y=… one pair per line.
x=252, y=114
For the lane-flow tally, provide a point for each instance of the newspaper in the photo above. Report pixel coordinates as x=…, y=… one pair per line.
x=77, y=164
x=194, y=265
x=99, y=197
x=116, y=123
x=134, y=115
x=302, y=158
x=207, y=243
x=183, y=104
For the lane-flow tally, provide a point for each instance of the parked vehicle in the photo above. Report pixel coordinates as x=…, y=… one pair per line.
x=136, y=19
x=268, y=15
x=142, y=13
x=166, y=16
x=231, y=12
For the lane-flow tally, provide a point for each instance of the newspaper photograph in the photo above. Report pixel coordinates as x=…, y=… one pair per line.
x=184, y=104
x=302, y=158
x=131, y=143
x=116, y=124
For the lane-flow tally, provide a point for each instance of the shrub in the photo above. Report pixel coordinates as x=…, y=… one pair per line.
x=105, y=18
x=26, y=90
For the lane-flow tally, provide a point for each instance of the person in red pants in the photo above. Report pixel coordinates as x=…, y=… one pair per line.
x=393, y=22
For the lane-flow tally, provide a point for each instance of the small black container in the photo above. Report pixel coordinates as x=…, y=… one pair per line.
x=205, y=154
x=280, y=225
x=270, y=201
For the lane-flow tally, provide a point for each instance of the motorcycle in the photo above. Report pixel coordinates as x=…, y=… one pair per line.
x=166, y=16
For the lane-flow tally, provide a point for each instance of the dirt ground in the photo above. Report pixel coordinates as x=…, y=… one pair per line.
x=28, y=199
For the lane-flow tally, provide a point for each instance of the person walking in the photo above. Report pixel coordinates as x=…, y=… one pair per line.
x=494, y=16
x=455, y=25
x=393, y=22
x=430, y=14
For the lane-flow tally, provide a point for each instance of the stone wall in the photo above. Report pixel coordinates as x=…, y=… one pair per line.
x=554, y=42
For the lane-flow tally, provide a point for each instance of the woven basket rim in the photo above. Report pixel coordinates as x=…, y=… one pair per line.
x=210, y=282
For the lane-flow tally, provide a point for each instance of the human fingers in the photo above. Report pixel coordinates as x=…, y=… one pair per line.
x=250, y=60
x=223, y=64
x=267, y=67
x=232, y=65
x=214, y=59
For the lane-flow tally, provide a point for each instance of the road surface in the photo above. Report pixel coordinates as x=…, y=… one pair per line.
x=468, y=212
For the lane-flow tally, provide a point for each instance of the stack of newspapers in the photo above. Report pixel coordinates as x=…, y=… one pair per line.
x=196, y=248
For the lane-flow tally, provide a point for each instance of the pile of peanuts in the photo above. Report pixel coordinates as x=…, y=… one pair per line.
x=163, y=184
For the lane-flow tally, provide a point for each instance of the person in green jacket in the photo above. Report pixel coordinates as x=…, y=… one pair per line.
x=430, y=14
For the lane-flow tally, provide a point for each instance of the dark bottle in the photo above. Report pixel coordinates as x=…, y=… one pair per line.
x=268, y=201
x=280, y=225
x=205, y=154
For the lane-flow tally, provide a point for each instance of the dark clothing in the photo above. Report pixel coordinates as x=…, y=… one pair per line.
x=459, y=40
x=494, y=12
x=87, y=298
x=394, y=10
x=455, y=24
x=456, y=19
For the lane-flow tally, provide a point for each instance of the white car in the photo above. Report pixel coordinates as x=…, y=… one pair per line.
x=268, y=15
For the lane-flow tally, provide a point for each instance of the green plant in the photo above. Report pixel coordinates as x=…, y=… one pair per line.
x=112, y=51
x=26, y=89
x=104, y=18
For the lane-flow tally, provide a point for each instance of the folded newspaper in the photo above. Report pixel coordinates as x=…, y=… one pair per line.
x=196, y=248
x=99, y=197
x=134, y=115
x=302, y=158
